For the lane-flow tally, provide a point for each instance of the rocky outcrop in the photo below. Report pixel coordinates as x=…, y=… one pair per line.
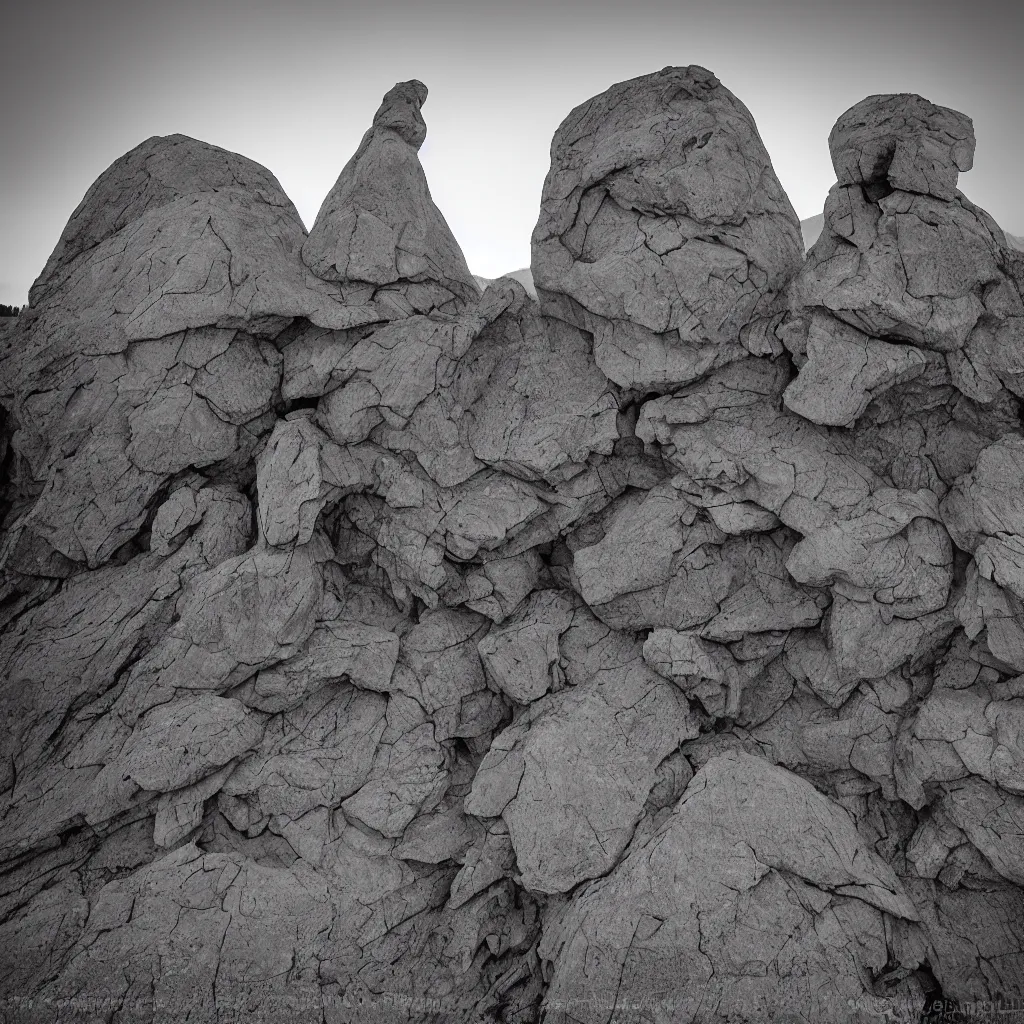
x=907, y=273
x=375, y=649
x=663, y=230
x=147, y=349
x=904, y=141
x=753, y=865
x=378, y=232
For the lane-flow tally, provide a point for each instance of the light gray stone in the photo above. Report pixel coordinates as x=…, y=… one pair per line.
x=904, y=140
x=379, y=227
x=664, y=928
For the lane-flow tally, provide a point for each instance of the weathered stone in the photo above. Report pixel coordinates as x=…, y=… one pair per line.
x=420, y=530
x=247, y=613
x=546, y=407
x=225, y=514
x=313, y=756
x=409, y=774
x=378, y=226
x=173, y=746
x=904, y=261
x=659, y=564
x=807, y=735
x=663, y=230
x=139, y=357
x=440, y=668
x=975, y=731
x=336, y=649
x=487, y=862
x=500, y=585
x=64, y=664
x=572, y=775
x=904, y=140
x=984, y=512
x=976, y=941
x=728, y=434
x=637, y=549
x=377, y=647
x=522, y=657
x=297, y=473
x=908, y=268
x=388, y=374
x=218, y=919
x=845, y=370
x=664, y=928
x=439, y=835
x=704, y=670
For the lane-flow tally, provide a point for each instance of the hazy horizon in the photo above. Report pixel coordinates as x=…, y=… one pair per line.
x=295, y=87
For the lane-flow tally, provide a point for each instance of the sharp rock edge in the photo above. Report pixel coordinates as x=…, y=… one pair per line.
x=645, y=646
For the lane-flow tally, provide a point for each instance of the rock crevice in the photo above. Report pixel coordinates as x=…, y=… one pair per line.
x=374, y=648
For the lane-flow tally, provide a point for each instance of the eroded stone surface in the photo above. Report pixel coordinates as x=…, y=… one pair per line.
x=379, y=228
x=907, y=272
x=903, y=139
x=571, y=776
x=663, y=229
x=720, y=882
x=378, y=650
x=145, y=350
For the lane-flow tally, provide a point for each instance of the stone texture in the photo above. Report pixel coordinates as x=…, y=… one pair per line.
x=906, y=271
x=845, y=370
x=298, y=471
x=521, y=658
x=376, y=650
x=571, y=776
x=663, y=230
x=378, y=227
x=904, y=140
x=726, y=881
x=975, y=941
x=145, y=349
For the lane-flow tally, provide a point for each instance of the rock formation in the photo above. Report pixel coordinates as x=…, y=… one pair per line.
x=378, y=232
x=374, y=649
x=663, y=230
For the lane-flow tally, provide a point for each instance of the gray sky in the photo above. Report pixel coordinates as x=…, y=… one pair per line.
x=294, y=85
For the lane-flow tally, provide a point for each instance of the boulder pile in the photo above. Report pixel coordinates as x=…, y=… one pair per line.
x=374, y=648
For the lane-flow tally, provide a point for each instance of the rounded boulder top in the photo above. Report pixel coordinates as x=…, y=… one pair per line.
x=674, y=130
x=156, y=172
x=400, y=111
x=905, y=140
x=663, y=229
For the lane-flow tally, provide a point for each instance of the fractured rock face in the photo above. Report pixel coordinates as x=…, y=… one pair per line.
x=904, y=140
x=377, y=650
x=146, y=348
x=907, y=271
x=722, y=883
x=845, y=370
x=663, y=230
x=570, y=778
x=379, y=230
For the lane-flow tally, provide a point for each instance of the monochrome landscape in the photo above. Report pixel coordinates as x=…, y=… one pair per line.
x=637, y=637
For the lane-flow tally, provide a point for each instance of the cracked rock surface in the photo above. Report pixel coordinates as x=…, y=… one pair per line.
x=663, y=230
x=376, y=649
x=378, y=232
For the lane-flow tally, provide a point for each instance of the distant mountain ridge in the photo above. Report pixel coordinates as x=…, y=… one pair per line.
x=523, y=276
x=810, y=228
